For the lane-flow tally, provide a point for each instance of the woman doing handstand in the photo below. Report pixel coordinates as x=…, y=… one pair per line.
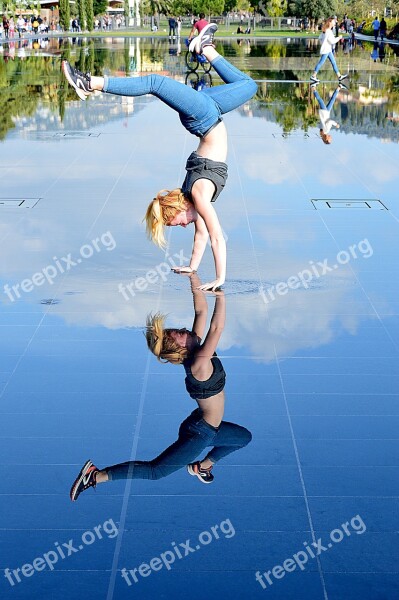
x=200, y=113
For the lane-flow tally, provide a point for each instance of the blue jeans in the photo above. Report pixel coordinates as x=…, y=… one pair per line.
x=323, y=59
x=321, y=101
x=195, y=435
x=198, y=111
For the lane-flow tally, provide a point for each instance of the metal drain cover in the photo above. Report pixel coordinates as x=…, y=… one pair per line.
x=18, y=202
x=365, y=204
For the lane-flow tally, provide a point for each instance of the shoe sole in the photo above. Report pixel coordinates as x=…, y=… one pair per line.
x=194, y=474
x=82, y=95
x=78, y=480
x=198, y=38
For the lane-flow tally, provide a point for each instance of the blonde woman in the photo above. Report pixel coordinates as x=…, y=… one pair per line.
x=200, y=113
x=328, y=41
x=205, y=381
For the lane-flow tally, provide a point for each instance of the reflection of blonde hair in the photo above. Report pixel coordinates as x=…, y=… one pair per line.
x=161, y=211
x=327, y=139
x=161, y=344
x=327, y=24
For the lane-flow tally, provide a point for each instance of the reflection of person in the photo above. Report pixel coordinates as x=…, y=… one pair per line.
x=326, y=123
x=328, y=41
x=205, y=381
x=201, y=114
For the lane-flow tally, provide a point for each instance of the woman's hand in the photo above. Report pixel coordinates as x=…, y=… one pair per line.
x=212, y=286
x=183, y=270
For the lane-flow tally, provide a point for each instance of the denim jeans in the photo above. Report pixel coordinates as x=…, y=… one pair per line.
x=198, y=110
x=323, y=59
x=321, y=101
x=195, y=435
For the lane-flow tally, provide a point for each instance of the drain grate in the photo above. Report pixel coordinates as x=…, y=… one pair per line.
x=364, y=204
x=18, y=202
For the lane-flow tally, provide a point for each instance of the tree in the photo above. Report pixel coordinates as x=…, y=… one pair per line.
x=89, y=15
x=82, y=14
x=276, y=8
x=315, y=9
x=100, y=6
x=65, y=14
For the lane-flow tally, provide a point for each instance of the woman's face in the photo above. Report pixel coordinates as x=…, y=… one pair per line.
x=185, y=217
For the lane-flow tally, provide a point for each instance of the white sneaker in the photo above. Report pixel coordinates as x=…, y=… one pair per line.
x=205, y=38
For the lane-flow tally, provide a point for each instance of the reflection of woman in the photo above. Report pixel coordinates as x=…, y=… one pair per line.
x=205, y=381
x=201, y=114
x=326, y=122
x=328, y=41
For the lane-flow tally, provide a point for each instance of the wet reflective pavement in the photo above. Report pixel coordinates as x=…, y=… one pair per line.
x=308, y=508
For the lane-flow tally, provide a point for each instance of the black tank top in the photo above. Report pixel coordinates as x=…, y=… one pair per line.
x=199, y=390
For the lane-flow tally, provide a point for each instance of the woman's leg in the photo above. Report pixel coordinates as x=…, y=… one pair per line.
x=332, y=99
x=230, y=437
x=319, y=99
x=321, y=62
x=190, y=443
x=331, y=58
x=239, y=87
x=182, y=98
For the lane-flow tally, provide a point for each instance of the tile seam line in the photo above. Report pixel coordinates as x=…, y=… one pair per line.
x=305, y=496
x=129, y=482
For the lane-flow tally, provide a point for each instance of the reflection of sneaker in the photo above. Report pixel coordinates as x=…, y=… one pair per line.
x=314, y=84
x=85, y=479
x=314, y=79
x=342, y=77
x=205, y=38
x=79, y=81
x=342, y=86
x=203, y=475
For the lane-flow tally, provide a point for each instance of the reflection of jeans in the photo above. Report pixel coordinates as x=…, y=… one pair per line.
x=323, y=59
x=195, y=435
x=321, y=101
x=198, y=111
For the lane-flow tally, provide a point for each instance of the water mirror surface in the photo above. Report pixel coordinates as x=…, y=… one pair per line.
x=303, y=504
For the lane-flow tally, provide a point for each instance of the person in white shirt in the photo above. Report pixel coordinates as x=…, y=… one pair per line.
x=328, y=41
x=326, y=123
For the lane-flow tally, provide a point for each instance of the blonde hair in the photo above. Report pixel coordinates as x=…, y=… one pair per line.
x=161, y=344
x=161, y=211
x=327, y=24
x=325, y=137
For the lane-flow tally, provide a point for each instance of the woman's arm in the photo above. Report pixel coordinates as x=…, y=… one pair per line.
x=331, y=37
x=201, y=362
x=202, y=192
x=200, y=307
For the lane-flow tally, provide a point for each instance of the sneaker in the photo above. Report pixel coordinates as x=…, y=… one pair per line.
x=342, y=77
x=205, y=38
x=84, y=480
x=203, y=475
x=342, y=86
x=314, y=79
x=79, y=81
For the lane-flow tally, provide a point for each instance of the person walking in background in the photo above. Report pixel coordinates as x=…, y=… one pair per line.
x=6, y=26
x=383, y=28
x=179, y=23
x=328, y=41
x=172, y=27
x=376, y=27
